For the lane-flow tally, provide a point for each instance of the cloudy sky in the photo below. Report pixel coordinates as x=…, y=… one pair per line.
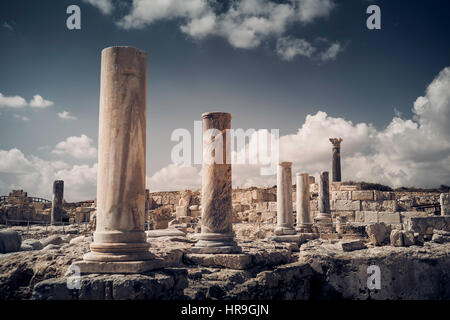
x=309, y=68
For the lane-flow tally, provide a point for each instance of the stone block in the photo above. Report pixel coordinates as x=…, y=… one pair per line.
x=389, y=217
x=232, y=261
x=353, y=245
x=347, y=205
x=362, y=195
x=371, y=205
x=340, y=195
x=396, y=238
x=378, y=233
x=389, y=205
x=359, y=216
x=355, y=228
x=402, y=238
x=345, y=216
x=181, y=211
x=10, y=241
x=55, y=239
x=370, y=216
x=383, y=195
x=426, y=225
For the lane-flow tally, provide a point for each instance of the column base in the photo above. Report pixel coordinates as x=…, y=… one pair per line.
x=119, y=246
x=304, y=228
x=324, y=223
x=280, y=231
x=86, y=267
x=215, y=243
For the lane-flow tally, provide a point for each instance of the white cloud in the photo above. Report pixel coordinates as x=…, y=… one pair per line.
x=39, y=102
x=105, y=6
x=288, y=48
x=12, y=102
x=19, y=102
x=408, y=152
x=175, y=177
x=36, y=176
x=245, y=24
x=331, y=53
x=145, y=12
x=77, y=147
x=66, y=115
x=313, y=9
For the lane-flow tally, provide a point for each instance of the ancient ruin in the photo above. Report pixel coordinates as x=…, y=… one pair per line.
x=301, y=241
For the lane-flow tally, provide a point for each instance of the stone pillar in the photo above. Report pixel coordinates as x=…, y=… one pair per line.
x=302, y=202
x=216, y=231
x=324, y=215
x=336, y=160
x=57, y=204
x=120, y=237
x=285, y=223
x=444, y=201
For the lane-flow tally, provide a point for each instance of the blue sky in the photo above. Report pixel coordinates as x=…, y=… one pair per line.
x=309, y=68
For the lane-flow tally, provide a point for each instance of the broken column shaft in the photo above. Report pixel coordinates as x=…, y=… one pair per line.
x=302, y=203
x=216, y=232
x=285, y=223
x=323, y=217
x=57, y=203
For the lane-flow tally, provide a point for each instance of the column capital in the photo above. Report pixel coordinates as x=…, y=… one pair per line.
x=336, y=142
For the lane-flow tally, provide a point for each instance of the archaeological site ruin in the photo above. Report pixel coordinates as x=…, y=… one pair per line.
x=307, y=238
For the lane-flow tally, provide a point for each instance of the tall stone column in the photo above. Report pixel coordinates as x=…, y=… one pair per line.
x=302, y=203
x=120, y=237
x=216, y=232
x=285, y=223
x=336, y=160
x=57, y=204
x=324, y=215
x=444, y=201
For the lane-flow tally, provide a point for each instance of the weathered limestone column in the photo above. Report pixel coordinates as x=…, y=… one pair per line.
x=302, y=203
x=444, y=201
x=216, y=232
x=336, y=160
x=120, y=237
x=285, y=223
x=324, y=215
x=57, y=204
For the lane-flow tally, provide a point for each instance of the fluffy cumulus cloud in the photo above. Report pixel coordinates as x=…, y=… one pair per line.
x=244, y=23
x=408, y=152
x=39, y=102
x=12, y=101
x=77, y=147
x=36, y=176
x=175, y=177
x=19, y=102
x=66, y=115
